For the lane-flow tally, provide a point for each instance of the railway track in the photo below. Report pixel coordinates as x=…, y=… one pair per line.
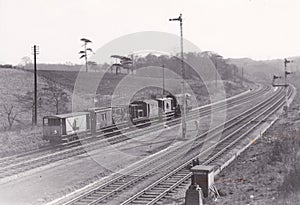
x=174, y=169
x=19, y=164
x=154, y=193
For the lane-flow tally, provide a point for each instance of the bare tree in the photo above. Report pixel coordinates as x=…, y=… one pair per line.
x=26, y=60
x=56, y=96
x=27, y=102
x=10, y=114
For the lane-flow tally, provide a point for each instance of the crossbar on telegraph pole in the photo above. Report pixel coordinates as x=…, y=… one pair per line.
x=183, y=117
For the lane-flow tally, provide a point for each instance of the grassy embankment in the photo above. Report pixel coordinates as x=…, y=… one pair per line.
x=269, y=171
x=22, y=136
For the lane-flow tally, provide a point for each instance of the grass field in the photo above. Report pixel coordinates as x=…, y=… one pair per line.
x=15, y=83
x=23, y=136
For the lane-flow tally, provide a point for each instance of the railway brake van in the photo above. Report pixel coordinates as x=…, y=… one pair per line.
x=143, y=111
x=64, y=127
x=137, y=112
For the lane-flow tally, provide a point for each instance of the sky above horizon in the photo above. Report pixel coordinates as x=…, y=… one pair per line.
x=258, y=29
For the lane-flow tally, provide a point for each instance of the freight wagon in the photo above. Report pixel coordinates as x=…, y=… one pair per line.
x=101, y=118
x=65, y=127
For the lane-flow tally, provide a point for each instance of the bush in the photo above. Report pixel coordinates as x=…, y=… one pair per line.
x=287, y=151
x=291, y=182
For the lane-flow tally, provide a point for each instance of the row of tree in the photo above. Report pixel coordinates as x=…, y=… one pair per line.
x=191, y=61
x=133, y=62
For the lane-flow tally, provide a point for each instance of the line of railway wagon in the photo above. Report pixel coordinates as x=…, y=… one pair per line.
x=65, y=127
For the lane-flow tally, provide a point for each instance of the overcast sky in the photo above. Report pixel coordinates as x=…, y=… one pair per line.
x=259, y=29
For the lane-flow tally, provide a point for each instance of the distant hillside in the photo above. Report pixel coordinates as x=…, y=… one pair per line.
x=257, y=70
x=265, y=69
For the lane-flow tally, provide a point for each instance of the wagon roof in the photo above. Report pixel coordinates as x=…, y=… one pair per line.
x=186, y=94
x=137, y=102
x=134, y=104
x=66, y=115
x=168, y=98
x=99, y=108
x=119, y=106
x=150, y=101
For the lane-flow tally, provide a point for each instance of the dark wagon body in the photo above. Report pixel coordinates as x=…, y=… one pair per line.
x=138, y=112
x=144, y=110
x=65, y=127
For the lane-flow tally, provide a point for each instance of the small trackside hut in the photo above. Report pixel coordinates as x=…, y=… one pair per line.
x=65, y=127
x=202, y=182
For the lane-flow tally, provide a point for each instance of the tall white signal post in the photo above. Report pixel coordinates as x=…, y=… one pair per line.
x=183, y=115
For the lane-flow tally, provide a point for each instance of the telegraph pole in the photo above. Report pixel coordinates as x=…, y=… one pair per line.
x=216, y=75
x=216, y=71
x=242, y=75
x=35, y=52
x=183, y=117
x=163, y=67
